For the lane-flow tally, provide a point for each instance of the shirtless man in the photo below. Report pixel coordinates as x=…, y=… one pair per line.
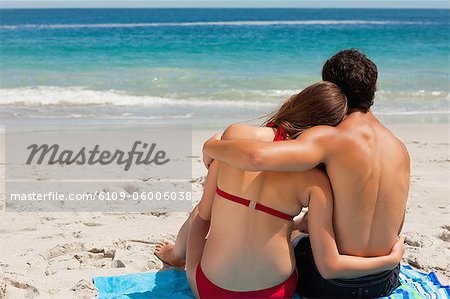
x=368, y=168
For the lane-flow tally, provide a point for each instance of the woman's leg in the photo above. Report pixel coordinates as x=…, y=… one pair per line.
x=191, y=239
x=175, y=254
x=195, y=244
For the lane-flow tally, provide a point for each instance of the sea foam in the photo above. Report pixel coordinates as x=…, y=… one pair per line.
x=79, y=96
x=82, y=96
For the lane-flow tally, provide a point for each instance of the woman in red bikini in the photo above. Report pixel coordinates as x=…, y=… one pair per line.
x=248, y=216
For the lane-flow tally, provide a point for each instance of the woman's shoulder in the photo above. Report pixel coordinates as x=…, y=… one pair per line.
x=245, y=131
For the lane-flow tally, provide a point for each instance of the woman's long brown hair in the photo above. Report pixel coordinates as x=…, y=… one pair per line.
x=322, y=103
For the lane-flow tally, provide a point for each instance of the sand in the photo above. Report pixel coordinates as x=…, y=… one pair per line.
x=55, y=255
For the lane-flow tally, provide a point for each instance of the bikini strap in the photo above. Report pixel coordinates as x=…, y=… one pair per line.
x=280, y=133
x=253, y=205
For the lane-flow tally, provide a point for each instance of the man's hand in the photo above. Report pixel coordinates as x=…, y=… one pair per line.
x=207, y=159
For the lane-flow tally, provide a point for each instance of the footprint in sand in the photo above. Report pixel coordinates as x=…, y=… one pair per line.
x=17, y=287
x=413, y=240
x=84, y=289
x=413, y=261
x=95, y=257
x=64, y=249
x=117, y=264
x=79, y=256
x=444, y=236
x=417, y=240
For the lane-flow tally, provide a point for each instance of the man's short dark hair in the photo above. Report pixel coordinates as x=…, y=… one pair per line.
x=355, y=74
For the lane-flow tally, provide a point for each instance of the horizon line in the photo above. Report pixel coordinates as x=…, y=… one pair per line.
x=220, y=7
x=346, y=4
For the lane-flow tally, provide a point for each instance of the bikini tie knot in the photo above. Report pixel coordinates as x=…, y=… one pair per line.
x=280, y=133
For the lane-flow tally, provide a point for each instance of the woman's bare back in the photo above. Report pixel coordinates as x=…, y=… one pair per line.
x=248, y=249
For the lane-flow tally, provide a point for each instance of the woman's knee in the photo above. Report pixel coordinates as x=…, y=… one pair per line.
x=193, y=214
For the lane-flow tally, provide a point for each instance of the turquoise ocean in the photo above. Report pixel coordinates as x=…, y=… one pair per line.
x=208, y=67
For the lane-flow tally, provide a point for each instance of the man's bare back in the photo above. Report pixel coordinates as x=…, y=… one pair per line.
x=369, y=173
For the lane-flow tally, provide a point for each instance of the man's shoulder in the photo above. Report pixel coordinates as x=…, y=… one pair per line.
x=325, y=134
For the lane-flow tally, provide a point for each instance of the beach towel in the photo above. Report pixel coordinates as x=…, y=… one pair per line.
x=173, y=284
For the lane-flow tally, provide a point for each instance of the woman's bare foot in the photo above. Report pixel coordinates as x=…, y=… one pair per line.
x=165, y=252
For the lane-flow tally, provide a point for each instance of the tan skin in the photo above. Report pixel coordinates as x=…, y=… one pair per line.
x=367, y=165
x=251, y=250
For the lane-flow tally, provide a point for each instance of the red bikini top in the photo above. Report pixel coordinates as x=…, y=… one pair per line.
x=280, y=134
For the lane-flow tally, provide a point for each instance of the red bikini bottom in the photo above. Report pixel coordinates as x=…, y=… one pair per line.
x=207, y=289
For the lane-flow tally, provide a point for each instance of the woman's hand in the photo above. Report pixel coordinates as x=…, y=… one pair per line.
x=302, y=224
x=398, y=250
x=206, y=158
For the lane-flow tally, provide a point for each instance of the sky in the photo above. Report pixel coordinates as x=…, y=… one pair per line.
x=229, y=3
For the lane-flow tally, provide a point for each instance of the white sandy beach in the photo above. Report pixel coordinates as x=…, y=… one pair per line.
x=55, y=255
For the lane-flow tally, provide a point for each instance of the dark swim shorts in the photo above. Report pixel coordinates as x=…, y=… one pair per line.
x=312, y=285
